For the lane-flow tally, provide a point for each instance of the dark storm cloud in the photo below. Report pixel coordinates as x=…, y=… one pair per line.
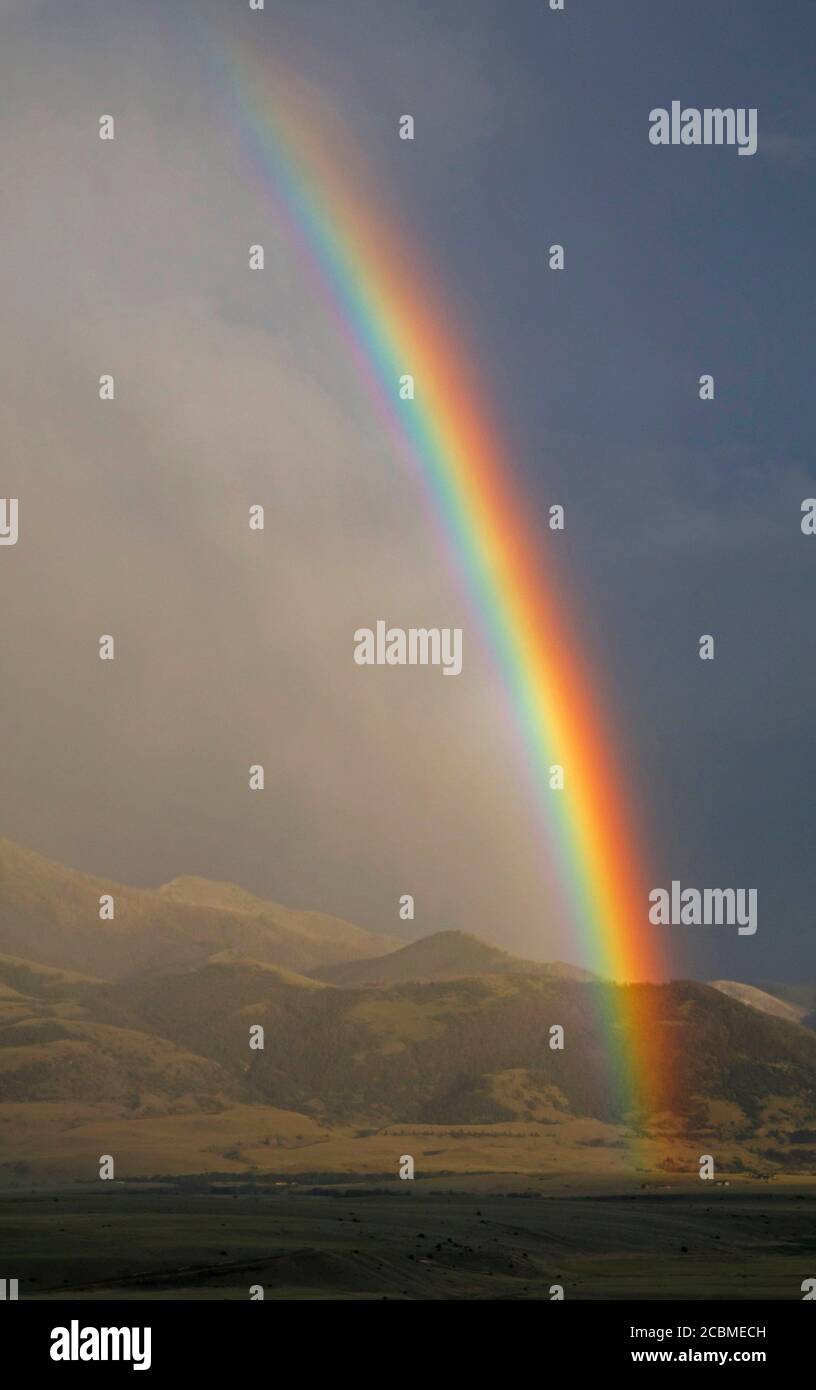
x=682, y=516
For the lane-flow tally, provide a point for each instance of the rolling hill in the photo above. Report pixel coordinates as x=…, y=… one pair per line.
x=54, y=1047
x=446, y=955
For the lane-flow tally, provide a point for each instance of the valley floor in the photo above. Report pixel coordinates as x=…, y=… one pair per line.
x=206, y=1239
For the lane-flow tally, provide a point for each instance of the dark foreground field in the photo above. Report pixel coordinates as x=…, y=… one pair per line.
x=404, y=1243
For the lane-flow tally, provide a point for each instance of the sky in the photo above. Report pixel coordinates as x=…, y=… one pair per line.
x=234, y=388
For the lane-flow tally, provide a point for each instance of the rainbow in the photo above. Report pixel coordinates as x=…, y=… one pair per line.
x=392, y=312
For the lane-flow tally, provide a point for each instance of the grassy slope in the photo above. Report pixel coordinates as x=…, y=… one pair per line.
x=160, y=1067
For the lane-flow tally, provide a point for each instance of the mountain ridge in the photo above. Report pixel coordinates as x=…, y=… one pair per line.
x=50, y=914
x=444, y=955
x=762, y=1000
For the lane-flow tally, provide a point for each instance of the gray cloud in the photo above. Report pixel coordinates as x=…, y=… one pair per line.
x=232, y=647
x=233, y=388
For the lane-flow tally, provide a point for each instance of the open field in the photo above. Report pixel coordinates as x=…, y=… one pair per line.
x=213, y=1240
x=60, y=1141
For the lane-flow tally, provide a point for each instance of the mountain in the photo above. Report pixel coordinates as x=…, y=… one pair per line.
x=461, y=1050
x=134, y=1037
x=446, y=955
x=760, y=999
x=50, y=914
x=467, y=1050
x=158, y=1068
